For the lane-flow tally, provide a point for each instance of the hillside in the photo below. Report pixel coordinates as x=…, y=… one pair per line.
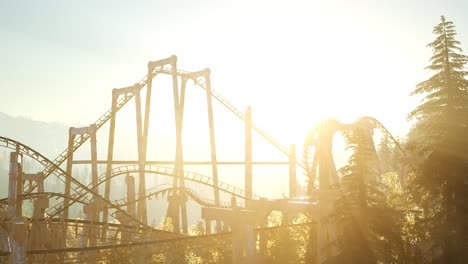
x=47, y=138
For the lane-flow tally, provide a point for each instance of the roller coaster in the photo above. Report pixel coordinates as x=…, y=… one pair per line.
x=49, y=235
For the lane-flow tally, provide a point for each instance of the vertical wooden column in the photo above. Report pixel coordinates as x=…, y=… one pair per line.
x=144, y=147
x=94, y=207
x=18, y=241
x=40, y=181
x=175, y=91
x=141, y=211
x=94, y=172
x=130, y=180
x=66, y=201
x=149, y=87
x=110, y=157
x=327, y=178
x=94, y=167
x=178, y=110
x=152, y=65
x=237, y=251
x=214, y=162
x=14, y=181
x=91, y=211
x=19, y=183
x=38, y=228
x=248, y=153
x=180, y=204
x=183, y=88
x=292, y=171
x=87, y=234
x=327, y=169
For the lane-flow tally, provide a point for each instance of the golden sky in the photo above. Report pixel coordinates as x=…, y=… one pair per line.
x=295, y=62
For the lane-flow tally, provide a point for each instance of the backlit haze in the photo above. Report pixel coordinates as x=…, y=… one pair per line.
x=294, y=62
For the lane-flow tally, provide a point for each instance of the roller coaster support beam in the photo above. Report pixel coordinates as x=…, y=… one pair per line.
x=328, y=177
x=292, y=171
x=248, y=153
x=38, y=228
x=18, y=240
x=89, y=234
x=149, y=87
x=141, y=140
x=162, y=62
x=37, y=178
x=214, y=165
x=4, y=236
x=93, y=212
x=179, y=160
x=125, y=230
x=130, y=180
x=73, y=132
x=183, y=88
x=193, y=75
x=241, y=222
x=66, y=201
x=327, y=169
x=110, y=156
x=15, y=187
x=141, y=211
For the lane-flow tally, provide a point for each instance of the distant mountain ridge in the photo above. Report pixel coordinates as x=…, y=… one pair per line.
x=47, y=138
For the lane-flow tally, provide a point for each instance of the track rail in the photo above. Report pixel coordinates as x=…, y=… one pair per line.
x=161, y=170
x=79, y=140
x=30, y=196
x=60, y=173
x=310, y=160
x=177, y=190
x=377, y=124
x=122, y=100
x=226, y=103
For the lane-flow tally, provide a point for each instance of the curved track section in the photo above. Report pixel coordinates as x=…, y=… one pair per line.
x=190, y=176
x=177, y=190
x=377, y=124
x=59, y=172
x=161, y=170
x=310, y=160
x=30, y=196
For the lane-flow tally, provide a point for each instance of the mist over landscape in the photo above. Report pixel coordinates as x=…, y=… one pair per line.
x=242, y=132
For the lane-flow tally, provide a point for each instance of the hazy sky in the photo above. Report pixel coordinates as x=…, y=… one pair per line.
x=293, y=61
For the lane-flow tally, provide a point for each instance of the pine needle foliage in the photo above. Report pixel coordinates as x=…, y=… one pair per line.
x=439, y=140
x=443, y=112
x=367, y=227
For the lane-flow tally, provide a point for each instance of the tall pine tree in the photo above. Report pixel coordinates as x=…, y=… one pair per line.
x=440, y=139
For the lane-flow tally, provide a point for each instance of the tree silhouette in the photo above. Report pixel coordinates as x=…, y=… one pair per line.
x=367, y=227
x=385, y=153
x=439, y=141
